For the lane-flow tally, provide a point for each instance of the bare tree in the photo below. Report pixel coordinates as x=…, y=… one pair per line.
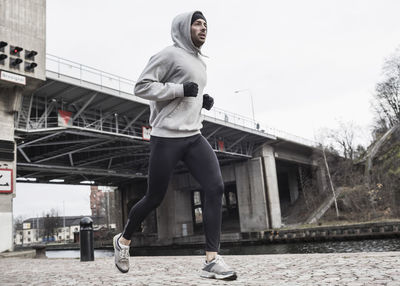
x=386, y=102
x=18, y=222
x=343, y=139
x=50, y=224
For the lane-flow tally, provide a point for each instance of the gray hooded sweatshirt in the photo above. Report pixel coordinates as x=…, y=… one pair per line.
x=161, y=82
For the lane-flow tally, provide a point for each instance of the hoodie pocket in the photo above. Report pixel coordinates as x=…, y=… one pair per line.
x=184, y=117
x=185, y=107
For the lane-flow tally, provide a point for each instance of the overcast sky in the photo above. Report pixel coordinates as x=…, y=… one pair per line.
x=306, y=63
x=33, y=200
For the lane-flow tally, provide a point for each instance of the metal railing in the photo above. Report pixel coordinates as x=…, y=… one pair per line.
x=103, y=79
x=85, y=73
x=250, y=123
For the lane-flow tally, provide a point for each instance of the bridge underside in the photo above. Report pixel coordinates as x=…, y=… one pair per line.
x=76, y=156
x=84, y=135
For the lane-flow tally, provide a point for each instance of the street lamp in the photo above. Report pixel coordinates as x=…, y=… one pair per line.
x=251, y=96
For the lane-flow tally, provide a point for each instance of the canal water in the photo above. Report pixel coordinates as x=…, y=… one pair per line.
x=369, y=245
x=98, y=253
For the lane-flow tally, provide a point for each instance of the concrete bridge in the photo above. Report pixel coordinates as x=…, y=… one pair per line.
x=85, y=126
x=78, y=125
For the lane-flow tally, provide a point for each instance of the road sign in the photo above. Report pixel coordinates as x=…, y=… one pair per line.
x=6, y=181
x=146, y=133
x=12, y=77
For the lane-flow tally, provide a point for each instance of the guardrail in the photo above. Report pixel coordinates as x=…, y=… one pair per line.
x=85, y=73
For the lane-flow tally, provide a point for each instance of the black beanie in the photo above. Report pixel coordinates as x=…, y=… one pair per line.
x=197, y=15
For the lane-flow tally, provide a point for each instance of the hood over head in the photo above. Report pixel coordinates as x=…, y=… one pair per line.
x=181, y=35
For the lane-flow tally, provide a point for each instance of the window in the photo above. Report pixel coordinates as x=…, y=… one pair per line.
x=67, y=236
x=198, y=215
x=29, y=240
x=197, y=199
x=223, y=200
x=29, y=232
x=232, y=198
x=197, y=211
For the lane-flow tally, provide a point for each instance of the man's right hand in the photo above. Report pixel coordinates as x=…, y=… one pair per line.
x=190, y=89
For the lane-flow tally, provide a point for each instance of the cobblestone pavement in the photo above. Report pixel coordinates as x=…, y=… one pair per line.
x=379, y=268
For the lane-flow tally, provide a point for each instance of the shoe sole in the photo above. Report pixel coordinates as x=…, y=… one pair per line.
x=122, y=270
x=229, y=277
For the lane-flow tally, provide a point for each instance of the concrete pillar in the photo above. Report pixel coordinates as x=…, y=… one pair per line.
x=293, y=185
x=6, y=223
x=321, y=177
x=131, y=192
x=7, y=98
x=118, y=210
x=267, y=154
x=253, y=209
x=23, y=23
x=174, y=215
x=150, y=223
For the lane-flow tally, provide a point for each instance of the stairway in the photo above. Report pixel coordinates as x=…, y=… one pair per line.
x=25, y=113
x=321, y=210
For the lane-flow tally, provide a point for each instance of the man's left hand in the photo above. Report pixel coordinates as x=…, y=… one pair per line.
x=208, y=101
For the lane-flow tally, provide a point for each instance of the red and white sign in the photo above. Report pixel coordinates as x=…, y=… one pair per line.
x=64, y=118
x=6, y=181
x=146, y=133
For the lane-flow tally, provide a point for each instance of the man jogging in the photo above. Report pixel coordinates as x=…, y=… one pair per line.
x=173, y=81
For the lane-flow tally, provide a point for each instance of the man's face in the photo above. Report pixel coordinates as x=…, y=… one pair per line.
x=198, y=32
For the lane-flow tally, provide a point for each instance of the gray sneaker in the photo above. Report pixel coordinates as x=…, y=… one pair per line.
x=218, y=269
x=121, y=254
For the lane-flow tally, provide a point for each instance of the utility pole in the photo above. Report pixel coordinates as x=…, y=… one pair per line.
x=330, y=181
x=108, y=208
x=252, y=102
x=64, y=221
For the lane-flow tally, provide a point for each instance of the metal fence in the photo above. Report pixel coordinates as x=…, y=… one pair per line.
x=103, y=79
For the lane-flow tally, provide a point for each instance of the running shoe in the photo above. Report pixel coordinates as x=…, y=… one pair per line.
x=121, y=254
x=217, y=269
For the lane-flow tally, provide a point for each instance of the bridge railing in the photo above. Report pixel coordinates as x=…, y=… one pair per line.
x=106, y=126
x=250, y=123
x=88, y=74
x=85, y=73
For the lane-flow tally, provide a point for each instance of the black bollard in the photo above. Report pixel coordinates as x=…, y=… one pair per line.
x=86, y=239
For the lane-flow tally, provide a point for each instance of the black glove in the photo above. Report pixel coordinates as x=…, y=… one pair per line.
x=208, y=101
x=190, y=89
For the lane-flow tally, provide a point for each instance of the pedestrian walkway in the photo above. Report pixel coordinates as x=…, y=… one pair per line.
x=378, y=268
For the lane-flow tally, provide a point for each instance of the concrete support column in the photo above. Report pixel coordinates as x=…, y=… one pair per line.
x=118, y=210
x=293, y=186
x=6, y=223
x=174, y=215
x=129, y=194
x=321, y=177
x=267, y=154
x=150, y=223
x=253, y=209
x=7, y=100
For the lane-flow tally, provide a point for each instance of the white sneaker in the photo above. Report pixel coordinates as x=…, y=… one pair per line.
x=121, y=254
x=218, y=269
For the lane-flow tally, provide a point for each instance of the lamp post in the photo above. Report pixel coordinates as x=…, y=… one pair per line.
x=251, y=97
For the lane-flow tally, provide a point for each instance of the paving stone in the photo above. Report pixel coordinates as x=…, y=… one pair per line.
x=379, y=268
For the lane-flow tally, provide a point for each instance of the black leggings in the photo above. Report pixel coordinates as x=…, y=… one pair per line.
x=199, y=157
